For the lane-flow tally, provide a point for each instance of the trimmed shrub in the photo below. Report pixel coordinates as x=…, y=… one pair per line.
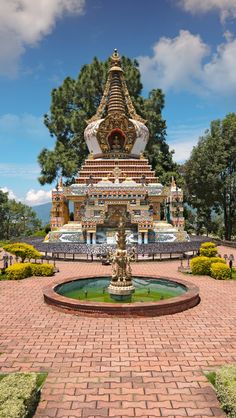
x=22, y=250
x=225, y=383
x=217, y=260
x=220, y=271
x=18, y=271
x=208, y=252
x=208, y=249
x=208, y=245
x=18, y=395
x=200, y=265
x=42, y=269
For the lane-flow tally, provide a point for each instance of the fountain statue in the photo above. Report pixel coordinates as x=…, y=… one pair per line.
x=121, y=286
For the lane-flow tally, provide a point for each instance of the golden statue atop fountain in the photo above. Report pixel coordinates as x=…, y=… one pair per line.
x=121, y=286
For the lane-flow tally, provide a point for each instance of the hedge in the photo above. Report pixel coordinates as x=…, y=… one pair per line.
x=20, y=271
x=18, y=395
x=208, y=245
x=208, y=252
x=42, y=269
x=220, y=271
x=208, y=249
x=200, y=265
x=225, y=384
x=218, y=260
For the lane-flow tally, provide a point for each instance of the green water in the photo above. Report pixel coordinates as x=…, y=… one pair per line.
x=146, y=290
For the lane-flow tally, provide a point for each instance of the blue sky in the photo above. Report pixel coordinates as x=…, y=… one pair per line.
x=185, y=47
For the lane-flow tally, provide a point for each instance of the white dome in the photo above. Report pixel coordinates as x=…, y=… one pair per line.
x=90, y=136
x=104, y=182
x=142, y=133
x=129, y=182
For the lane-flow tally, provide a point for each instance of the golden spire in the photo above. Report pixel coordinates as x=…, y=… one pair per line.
x=116, y=97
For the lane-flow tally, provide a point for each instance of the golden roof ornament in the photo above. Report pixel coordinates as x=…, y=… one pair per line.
x=116, y=97
x=116, y=173
x=173, y=183
x=60, y=183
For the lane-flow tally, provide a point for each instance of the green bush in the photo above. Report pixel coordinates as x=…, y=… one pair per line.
x=208, y=245
x=217, y=260
x=40, y=233
x=208, y=252
x=200, y=265
x=225, y=383
x=220, y=271
x=18, y=271
x=42, y=269
x=18, y=395
x=22, y=250
x=208, y=249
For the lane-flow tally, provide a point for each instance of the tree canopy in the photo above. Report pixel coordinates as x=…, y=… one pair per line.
x=16, y=218
x=75, y=101
x=210, y=174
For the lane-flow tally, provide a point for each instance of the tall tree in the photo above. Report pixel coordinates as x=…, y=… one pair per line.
x=3, y=205
x=16, y=218
x=75, y=101
x=210, y=173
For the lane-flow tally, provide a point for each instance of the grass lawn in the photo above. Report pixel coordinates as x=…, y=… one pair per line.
x=234, y=273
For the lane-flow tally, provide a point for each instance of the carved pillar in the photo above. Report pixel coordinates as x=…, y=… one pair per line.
x=140, y=238
x=145, y=238
x=94, y=238
x=88, y=237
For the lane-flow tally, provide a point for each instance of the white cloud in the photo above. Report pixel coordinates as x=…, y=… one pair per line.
x=176, y=63
x=219, y=74
x=182, y=149
x=10, y=192
x=183, y=138
x=186, y=63
x=25, y=22
x=32, y=198
x=37, y=197
x=226, y=8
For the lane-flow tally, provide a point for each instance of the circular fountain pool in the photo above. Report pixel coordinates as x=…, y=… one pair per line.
x=153, y=296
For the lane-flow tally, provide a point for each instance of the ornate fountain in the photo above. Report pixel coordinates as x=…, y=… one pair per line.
x=88, y=295
x=121, y=286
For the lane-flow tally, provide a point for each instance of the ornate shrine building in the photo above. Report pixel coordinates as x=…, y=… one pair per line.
x=116, y=180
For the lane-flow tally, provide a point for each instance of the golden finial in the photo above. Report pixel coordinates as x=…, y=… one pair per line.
x=60, y=185
x=173, y=183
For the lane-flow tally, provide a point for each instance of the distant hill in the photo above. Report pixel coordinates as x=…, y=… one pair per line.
x=43, y=212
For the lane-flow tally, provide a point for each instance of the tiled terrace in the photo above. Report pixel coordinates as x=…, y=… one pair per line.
x=117, y=367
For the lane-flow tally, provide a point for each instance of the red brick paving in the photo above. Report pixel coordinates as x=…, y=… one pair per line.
x=118, y=367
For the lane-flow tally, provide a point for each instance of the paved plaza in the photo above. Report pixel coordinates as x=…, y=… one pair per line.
x=119, y=367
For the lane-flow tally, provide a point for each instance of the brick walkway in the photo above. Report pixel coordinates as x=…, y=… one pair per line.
x=100, y=367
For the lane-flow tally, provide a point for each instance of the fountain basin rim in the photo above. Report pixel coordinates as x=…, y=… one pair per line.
x=175, y=304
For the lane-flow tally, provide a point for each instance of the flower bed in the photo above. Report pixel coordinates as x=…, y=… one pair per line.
x=224, y=381
x=19, y=394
